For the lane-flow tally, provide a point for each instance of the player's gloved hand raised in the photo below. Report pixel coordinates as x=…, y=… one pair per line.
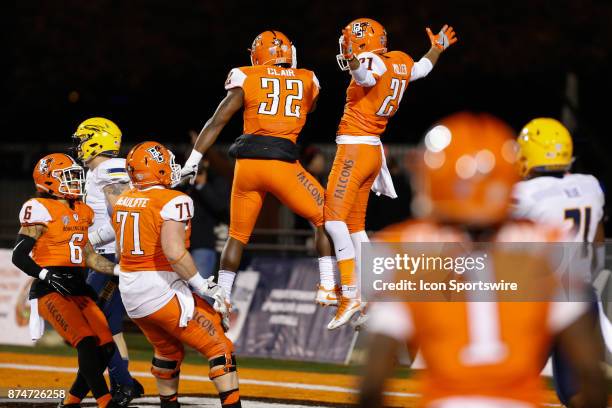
x=65, y=285
x=189, y=172
x=346, y=45
x=444, y=39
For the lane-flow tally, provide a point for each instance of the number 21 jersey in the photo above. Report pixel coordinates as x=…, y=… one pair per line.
x=368, y=109
x=276, y=100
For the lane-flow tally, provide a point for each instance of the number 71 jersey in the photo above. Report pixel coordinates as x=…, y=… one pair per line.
x=276, y=100
x=138, y=216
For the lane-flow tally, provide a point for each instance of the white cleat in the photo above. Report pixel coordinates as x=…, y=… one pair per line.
x=361, y=321
x=328, y=297
x=346, y=309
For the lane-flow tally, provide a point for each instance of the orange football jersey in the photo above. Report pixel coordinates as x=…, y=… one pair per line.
x=63, y=242
x=276, y=100
x=138, y=216
x=484, y=349
x=368, y=109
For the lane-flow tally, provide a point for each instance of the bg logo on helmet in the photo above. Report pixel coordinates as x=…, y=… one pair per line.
x=43, y=166
x=156, y=154
x=359, y=29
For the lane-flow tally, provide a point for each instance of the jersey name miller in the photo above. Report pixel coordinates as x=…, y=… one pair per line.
x=400, y=69
x=131, y=202
x=282, y=72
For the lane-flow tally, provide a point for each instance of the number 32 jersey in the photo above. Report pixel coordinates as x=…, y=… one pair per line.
x=368, y=109
x=138, y=216
x=575, y=201
x=63, y=242
x=276, y=100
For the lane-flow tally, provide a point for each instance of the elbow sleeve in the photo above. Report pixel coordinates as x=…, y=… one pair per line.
x=421, y=69
x=21, y=255
x=102, y=235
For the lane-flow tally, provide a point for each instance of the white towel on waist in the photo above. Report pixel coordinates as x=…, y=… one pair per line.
x=186, y=301
x=383, y=184
x=36, y=324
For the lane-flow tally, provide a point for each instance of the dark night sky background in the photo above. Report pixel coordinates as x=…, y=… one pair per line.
x=157, y=67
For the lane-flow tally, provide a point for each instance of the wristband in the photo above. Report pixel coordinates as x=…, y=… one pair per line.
x=43, y=274
x=194, y=158
x=197, y=281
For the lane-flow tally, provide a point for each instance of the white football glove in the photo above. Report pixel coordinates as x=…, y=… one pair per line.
x=208, y=287
x=190, y=170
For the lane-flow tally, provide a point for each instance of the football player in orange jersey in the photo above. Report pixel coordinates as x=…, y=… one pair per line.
x=152, y=225
x=478, y=353
x=379, y=80
x=276, y=97
x=54, y=229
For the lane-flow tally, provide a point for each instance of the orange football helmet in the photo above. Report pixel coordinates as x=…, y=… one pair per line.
x=273, y=48
x=59, y=175
x=468, y=170
x=365, y=34
x=151, y=163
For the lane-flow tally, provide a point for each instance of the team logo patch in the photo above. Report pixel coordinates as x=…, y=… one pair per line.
x=66, y=219
x=359, y=29
x=44, y=164
x=76, y=217
x=156, y=154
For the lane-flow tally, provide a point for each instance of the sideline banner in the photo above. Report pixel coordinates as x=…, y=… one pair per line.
x=14, y=304
x=284, y=322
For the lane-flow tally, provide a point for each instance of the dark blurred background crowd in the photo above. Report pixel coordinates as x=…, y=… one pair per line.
x=157, y=68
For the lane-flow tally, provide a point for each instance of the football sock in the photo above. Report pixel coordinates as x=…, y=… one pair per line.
x=226, y=281
x=79, y=388
x=169, y=398
x=92, y=365
x=343, y=245
x=347, y=278
x=104, y=400
x=230, y=399
x=72, y=399
x=118, y=369
x=358, y=238
x=327, y=271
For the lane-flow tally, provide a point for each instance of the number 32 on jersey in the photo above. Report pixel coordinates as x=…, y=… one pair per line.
x=285, y=94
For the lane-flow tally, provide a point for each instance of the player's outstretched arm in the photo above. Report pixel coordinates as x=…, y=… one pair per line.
x=440, y=42
x=173, y=245
x=232, y=102
x=97, y=262
x=379, y=366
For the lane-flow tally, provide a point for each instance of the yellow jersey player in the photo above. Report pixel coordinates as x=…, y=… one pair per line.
x=54, y=230
x=379, y=80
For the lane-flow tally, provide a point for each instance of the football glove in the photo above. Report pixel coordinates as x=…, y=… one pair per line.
x=208, y=287
x=65, y=285
x=346, y=46
x=444, y=39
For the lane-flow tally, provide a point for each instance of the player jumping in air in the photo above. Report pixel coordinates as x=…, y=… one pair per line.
x=480, y=353
x=97, y=143
x=551, y=194
x=379, y=80
x=54, y=229
x=276, y=97
x=152, y=224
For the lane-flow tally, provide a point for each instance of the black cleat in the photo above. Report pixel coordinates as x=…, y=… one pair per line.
x=170, y=404
x=124, y=394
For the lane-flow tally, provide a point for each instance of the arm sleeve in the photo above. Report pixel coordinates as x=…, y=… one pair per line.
x=392, y=320
x=420, y=69
x=371, y=68
x=34, y=212
x=180, y=208
x=363, y=77
x=21, y=256
x=103, y=235
x=235, y=79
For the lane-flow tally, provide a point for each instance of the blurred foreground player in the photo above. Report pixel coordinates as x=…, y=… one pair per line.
x=551, y=194
x=378, y=81
x=276, y=97
x=152, y=224
x=96, y=144
x=54, y=229
x=477, y=354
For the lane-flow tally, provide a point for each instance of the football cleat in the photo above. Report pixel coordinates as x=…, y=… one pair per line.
x=126, y=393
x=347, y=307
x=328, y=297
x=170, y=404
x=361, y=321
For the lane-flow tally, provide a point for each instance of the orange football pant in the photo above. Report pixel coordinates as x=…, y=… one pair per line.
x=74, y=318
x=289, y=182
x=203, y=333
x=348, y=188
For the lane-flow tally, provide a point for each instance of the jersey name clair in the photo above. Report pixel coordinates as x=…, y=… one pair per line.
x=282, y=72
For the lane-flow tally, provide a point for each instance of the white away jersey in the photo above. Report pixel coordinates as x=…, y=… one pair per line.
x=109, y=172
x=576, y=201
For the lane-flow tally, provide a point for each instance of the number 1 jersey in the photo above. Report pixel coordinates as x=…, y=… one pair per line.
x=368, y=109
x=276, y=100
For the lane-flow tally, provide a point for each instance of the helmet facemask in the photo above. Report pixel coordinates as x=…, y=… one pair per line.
x=175, y=171
x=72, y=181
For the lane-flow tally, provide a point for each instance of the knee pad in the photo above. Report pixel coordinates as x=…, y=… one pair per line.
x=228, y=363
x=165, y=369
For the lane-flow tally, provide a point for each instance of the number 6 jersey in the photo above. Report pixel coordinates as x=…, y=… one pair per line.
x=138, y=216
x=276, y=100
